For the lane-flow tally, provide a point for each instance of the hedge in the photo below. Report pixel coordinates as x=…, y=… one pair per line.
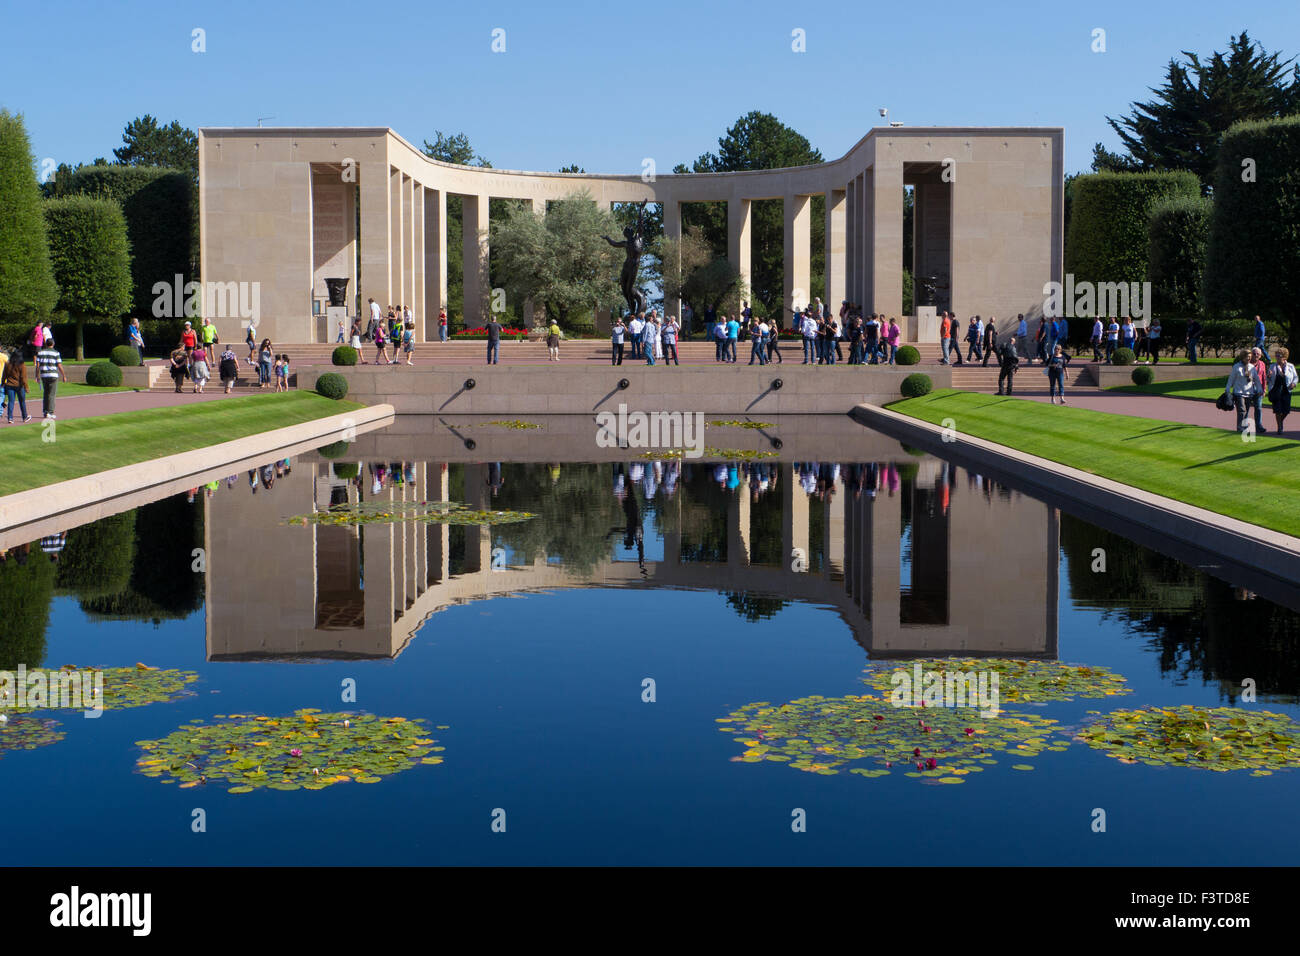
x=104, y=375
x=345, y=469
x=1143, y=375
x=332, y=385
x=122, y=355
x=90, y=256
x=27, y=287
x=344, y=355
x=1123, y=356
x=335, y=449
x=158, y=204
x=1254, y=245
x=1108, y=239
x=907, y=355
x=1177, y=233
x=916, y=385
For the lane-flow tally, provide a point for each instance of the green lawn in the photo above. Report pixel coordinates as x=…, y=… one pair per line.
x=67, y=389
x=84, y=446
x=1206, y=467
x=1201, y=389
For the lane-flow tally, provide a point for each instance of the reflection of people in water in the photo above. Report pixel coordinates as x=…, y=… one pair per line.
x=633, y=533
x=494, y=479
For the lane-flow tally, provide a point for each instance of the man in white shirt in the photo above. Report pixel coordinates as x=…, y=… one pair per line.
x=635, y=328
x=1096, y=340
x=809, y=329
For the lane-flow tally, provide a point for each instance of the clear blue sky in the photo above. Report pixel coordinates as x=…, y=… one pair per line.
x=600, y=84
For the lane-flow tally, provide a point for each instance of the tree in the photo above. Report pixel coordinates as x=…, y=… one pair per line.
x=1177, y=231
x=26, y=591
x=572, y=168
x=1252, y=264
x=91, y=258
x=761, y=141
x=561, y=260
x=454, y=148
x=702, y=279
x=145, y=143
x=1181, y=127
x=27, y=288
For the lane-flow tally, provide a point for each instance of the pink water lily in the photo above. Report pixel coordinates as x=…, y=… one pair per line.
x=295, y=752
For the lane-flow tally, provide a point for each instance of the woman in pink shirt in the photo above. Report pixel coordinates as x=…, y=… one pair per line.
x=891, y=337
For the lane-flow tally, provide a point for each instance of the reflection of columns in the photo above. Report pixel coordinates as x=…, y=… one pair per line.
x=435, y=259
x=376, y=238
x=1053, y=581
x=738, y=525
x=739, y=244
x=397, y=253
x=475, y=255
x=437, y=533
x=377, y=548
x=835, y=206
x=794, y=518
x=478, y=538
x=885, y=518
x=834, y=538
x=539, y=209
x=673, y=538
x=673, y=230
x=798, y=278
x=886, y=251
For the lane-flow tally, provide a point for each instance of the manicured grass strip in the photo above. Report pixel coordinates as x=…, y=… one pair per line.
x=1210, y=468
x=68, y=389
x=1200, y=389
x=84, y=446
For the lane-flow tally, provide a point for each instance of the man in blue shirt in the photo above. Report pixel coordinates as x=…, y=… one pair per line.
x=1259, y=333
x=733, y=333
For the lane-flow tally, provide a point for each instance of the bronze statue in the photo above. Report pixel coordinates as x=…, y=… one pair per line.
x=634, y=243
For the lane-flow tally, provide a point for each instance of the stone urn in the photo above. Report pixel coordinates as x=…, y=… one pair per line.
x=338, y=290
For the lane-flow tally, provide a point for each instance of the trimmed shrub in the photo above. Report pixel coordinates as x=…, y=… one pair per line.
x=344, y=355
x=27, y=287
x=104, y=375
x=916, y=385
x=335, y=449
x=1143, y=375
x=332, y=385
x=1254, y=245
x=90, y=257
x=345, y=469
x=913, y=451
x=1177, y=233
x=1109, y=212
x=122, y=355
x=159, y=205
x=1123, y=356
x=907, y=355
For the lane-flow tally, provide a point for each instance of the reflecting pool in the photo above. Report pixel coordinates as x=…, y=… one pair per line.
x=637, y=662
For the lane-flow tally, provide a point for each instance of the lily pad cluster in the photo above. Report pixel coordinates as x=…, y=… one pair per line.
x=825, y=735
x=1211, y=738
x=738, y=424
x=738, y=454
x=516, y=424
x=1019, y=681
x=28, y=733
x=393, y=512
x=309, y=750
x=123, y=687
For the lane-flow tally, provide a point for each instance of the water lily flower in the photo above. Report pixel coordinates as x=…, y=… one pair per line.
x=931, y=764
x=295, y=752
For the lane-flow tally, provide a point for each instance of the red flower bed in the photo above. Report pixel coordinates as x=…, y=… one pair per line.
x=481, y=333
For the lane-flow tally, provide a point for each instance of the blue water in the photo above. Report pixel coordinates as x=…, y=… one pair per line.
x=542, y=693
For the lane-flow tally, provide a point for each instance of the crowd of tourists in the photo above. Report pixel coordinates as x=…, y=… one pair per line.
x=393, y=328
x=1252, y=377
x=47, y=369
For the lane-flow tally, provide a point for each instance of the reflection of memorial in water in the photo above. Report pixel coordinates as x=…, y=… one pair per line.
x=918, y=558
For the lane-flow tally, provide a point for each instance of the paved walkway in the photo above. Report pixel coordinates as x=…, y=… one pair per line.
x=88, y=406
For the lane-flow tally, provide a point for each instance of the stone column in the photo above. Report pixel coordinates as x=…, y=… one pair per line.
x=798, y=278
x=397, y=256
x=862, y=245
x=673, y=230
x=376, y=236
x=850, y=242
x=408, y=242
x=539, y=209
x=887, y=238
x=475, y=254
x=435, y=259
x=835, y=206
x=418, y=294
x=740, y=239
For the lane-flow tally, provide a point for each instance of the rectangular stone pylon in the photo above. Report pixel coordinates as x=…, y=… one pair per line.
x=798, y=277
x=435, y=259
x=740, y=240
x=475, y=256
x=376, y=237
x=886, y=249
x=673, y=230
x=539, y=209
x=835, y=206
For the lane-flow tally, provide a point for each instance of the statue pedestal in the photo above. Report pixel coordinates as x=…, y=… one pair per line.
x=927, y=324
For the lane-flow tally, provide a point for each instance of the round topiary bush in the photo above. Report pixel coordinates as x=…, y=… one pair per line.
x=916, y=385
x=907, y=355
x=346, y=469
x=1143, y=375
x=335, y=449
x=332, y=385
x=344, y=355
x=1123, y=357
x=104, y=375
x=124, y=356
